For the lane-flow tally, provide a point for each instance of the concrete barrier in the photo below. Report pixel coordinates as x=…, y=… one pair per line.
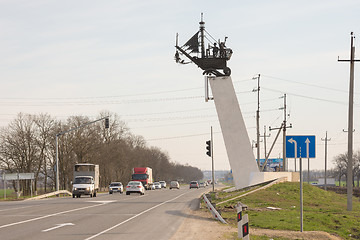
x=213, y=211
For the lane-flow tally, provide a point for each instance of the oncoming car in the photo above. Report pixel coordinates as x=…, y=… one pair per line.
x=116, y=187
x=135, y=187
x=157, y=185
x=174, y=184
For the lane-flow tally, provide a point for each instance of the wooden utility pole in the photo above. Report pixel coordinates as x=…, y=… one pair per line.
x=349, y=182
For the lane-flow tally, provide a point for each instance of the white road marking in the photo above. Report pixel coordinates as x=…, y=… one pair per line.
x=110, y=201
x=129, y=219
x=17, y=208
x=58, y=226
x=50, y=215
x=59, y=213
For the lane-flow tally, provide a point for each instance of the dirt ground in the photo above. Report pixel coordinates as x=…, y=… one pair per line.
x=201, y=225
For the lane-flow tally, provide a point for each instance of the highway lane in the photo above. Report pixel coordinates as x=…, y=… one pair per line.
x=155, y=215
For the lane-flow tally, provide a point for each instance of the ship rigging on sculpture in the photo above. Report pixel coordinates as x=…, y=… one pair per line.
x=211, y=58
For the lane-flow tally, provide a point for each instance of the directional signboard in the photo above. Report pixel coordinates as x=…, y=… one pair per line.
x=18, y=176
x=304, y=145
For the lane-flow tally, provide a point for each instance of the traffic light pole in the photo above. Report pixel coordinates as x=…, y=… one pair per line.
x=62, y=133
x=212, y=160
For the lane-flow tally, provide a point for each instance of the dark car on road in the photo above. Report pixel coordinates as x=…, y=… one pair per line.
x=194, y=184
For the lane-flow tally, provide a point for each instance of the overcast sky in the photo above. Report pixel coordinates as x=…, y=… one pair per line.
x=70, y=58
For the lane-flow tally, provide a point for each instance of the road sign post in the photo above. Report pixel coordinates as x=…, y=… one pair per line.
x=293, y=150
x=301, y=196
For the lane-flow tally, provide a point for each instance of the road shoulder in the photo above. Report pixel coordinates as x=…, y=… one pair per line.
x=200, y=225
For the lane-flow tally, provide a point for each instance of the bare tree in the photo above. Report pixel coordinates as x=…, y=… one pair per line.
x=27, y=144
x=341, y=162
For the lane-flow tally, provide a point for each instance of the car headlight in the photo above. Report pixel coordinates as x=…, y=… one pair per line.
x=88, y=189
x=74, y=188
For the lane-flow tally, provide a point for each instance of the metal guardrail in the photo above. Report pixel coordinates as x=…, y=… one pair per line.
x=213, y=211
x=49, y=195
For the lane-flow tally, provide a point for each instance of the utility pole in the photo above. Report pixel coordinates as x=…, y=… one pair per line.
x=349, y=182
x=284, y=127
x=258, y=119
x=265, y=136
x=267, y=157
x=326, y=140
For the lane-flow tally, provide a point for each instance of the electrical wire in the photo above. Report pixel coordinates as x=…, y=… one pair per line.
x=303, y=96
x=306, y=84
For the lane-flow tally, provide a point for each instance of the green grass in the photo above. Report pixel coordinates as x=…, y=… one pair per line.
x=9, y=194
x=323, y=210
x=233, y=236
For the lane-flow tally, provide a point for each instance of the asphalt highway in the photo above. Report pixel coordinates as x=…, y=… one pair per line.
x=155, y=215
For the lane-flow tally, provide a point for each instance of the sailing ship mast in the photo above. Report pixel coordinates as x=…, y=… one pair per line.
x=208, y=62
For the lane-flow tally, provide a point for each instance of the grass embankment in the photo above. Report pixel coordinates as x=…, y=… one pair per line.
x=323, y=210
x=10, y=194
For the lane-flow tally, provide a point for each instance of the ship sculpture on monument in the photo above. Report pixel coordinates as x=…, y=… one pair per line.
x=210, y=58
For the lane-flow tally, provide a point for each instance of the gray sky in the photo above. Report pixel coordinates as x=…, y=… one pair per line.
x=82, y=57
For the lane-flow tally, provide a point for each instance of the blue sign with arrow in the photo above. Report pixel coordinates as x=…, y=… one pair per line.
x=304, y=145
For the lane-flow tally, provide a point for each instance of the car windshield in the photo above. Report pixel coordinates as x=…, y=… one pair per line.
x=82, y=180
x=134, y=183
x=193, y=183
x=139, y=176
x=114, y=184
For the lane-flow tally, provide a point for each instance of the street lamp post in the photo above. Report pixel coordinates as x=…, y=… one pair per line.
x=57, y=144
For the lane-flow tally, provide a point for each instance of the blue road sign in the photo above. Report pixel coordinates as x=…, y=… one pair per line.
x=301, y=142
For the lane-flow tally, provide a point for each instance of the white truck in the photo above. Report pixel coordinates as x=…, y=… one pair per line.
x=86, y=180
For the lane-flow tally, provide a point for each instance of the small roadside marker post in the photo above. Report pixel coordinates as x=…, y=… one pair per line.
x=243, y=223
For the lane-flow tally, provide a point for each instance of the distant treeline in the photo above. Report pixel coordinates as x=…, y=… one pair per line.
x=27, y=144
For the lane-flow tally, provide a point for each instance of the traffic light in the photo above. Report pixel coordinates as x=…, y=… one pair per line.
x=106, y=122
x=208, y=147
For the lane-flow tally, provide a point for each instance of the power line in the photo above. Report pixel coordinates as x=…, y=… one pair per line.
x=303, y=96
x=307, y=84
x=113, y=96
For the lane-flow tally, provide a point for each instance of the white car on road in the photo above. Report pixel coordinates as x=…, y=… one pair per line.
x=135, y=187
x=157, y=185
x=163, y=184
x=116, y=187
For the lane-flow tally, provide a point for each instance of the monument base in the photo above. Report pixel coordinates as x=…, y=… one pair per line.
x=261, y=177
